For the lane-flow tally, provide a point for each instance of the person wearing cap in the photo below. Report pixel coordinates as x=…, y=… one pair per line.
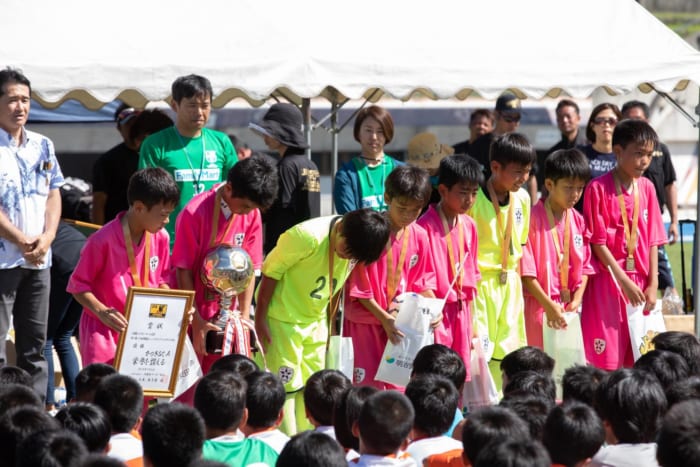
x=481, y=121
x=112, y=170
x=359, y=183
x=197, y=157
x=425, y=151
x=299, y=194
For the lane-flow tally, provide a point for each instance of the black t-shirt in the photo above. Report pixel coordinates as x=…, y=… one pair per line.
x=600, y=164
x=462, y=147
x=479, y=150
x=111, y=174
x=661, y=172
x=298, y=199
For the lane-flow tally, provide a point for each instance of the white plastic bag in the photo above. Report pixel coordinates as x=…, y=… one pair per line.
x=415, y=315
x=643, y=328
x=188, y=373
x=481, y=390
x=341, y=355
x=565, y=346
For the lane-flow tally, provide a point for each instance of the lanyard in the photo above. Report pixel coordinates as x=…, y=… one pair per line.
x=332, y=307
x=630, y=232
x=457, y=265
x=195, y=179
x=215, y=221
x=562, y=256
x=132, y=258
x=508, y=233
x=393, y=273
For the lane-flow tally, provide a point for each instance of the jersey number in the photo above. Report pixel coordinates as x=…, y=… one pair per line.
x=321, y=281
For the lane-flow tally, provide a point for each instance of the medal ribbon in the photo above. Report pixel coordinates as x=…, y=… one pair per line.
x=215, y=220
x=562, y=256
x=393, y=273
x=457, y=271
x=508, y=233
x=132, y=257
x=630, y=233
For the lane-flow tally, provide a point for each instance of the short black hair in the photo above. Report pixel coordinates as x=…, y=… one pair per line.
x=121, y=397
x=573, y=432
x=346, y=413
x=488, y=113
x=149, y=121
x=531, y=383
x=101, y=460
x=151, y=186
x=408, y=182
x=677, y=443
x=528, y=358
x=440, y=360
x=220, y=398
x=567, y=163
x=264, y=399
x=15, y=394
x=51, y=448
x=527, y=453
x=311, y=449
x=684, y=390
x=532, y=408
x=13, y=75
x=173, y=435
x=323, y=390
x=580, y=382
x=19, y=422
x=386, y=419
x=632, y=402
x=89, y=378
x=685, y=344
x=366, y=234
x=254, y=179
x=629, y=105
x=13, y=374
x=435, y=400
x=666, y=366
x=634, y=131
x=235, y=363
x=189, y=86
x=567, y=103
x=459, y=168
x=491, y=424
x=88, y=421
x=512, y=148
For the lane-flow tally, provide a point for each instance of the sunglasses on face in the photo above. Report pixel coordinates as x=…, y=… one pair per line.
x=602, y=121
x=510, y=118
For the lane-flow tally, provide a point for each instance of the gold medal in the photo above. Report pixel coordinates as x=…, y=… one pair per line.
x=629, y=264
x=503, y=277
x=565, y=296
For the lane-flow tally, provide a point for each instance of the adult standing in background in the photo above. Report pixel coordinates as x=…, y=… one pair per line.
x=299, y=195
x=30, y=208
x=112, y=170
x=481, y=122
x=198, y=158
x=359, y=183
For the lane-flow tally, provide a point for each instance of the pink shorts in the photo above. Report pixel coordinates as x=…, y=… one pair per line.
x=98, y=343
x=455, y=331
x=534, y=313
x=368, y=342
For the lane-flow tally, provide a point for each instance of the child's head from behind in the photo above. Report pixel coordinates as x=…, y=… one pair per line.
x=684, y=390
x=434, y=399
x=152, y=194
x=251, y=183
x=220, y=398
x=406, y=191
x=511, y=157
x=459, y=178
x=633, y=144
x=630, y=403
x=364, y=234
x=526, y=358
x=235, y=363
x=531, y=383
x=121, y=397
x=580, y=382
x=16, y=423
x=322, y=392
x=532, y=409
x=573, y=433
x=89, y=422
x=386, y=419
x=89, y=378
x=668, y=367
x=172, y=435
x=15, y=395
x=311, y=449
x=51, y=447
x=678, y=437
x=491, y=424
x=684, y=344
x=13, y=374
x=566, y=173
x=440, y=360
x=264, y=400
x=526, y=453
x=346, y=413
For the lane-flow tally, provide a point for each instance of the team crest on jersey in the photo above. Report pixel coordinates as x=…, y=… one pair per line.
x=414, y=261
x=153, y=263
x=358, y=375
x=599, y=346
x=645, y=215
x=286, y=374
x=578, y=241
x=238, y=239
x=210, y=156
x=518, y=216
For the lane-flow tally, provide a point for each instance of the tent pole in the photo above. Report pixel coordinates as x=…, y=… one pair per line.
x=334, y=148
x=306, y=112
x=696, y=243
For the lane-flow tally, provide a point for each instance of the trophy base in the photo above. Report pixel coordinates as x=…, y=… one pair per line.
x=215, y=342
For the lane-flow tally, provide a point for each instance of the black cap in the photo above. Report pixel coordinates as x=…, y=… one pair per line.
x=282, y=122
x=508, y=102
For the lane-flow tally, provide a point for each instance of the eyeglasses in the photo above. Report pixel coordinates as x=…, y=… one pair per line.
x=602, y=121
x=510, y=118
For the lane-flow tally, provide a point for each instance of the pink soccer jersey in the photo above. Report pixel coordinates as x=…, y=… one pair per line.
x=604, y=316
x=103, y=269
x=540, y=261
x=192, y=235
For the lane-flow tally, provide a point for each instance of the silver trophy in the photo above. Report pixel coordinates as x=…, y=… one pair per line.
x=226, y=270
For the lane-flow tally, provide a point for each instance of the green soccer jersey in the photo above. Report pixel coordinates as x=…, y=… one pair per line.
x=196, y=164
x=299, y=263
x=239, y=452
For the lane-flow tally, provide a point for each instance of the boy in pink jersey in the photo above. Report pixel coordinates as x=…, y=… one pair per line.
x=131, y=250
x=229, y=213
x=556, y=259
x=623, y=215
x=454, y=243
x=405, y=265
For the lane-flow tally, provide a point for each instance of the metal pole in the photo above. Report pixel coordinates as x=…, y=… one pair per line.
x=306, y=112
x=334, y=148
x=696, y=243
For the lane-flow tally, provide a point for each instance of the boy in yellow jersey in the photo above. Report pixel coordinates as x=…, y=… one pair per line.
x=502, y=216
x=308, y=266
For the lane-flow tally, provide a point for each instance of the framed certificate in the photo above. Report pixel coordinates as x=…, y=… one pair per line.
x=150, y=348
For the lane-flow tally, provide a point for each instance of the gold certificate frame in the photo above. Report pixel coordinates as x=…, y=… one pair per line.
x=150, y=348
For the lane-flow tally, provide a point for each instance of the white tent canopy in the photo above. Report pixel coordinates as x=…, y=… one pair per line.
x=133, y=49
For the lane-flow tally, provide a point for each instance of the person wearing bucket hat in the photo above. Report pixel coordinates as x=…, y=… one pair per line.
x=359, y=183
x=425, y=151
x=299, y=195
